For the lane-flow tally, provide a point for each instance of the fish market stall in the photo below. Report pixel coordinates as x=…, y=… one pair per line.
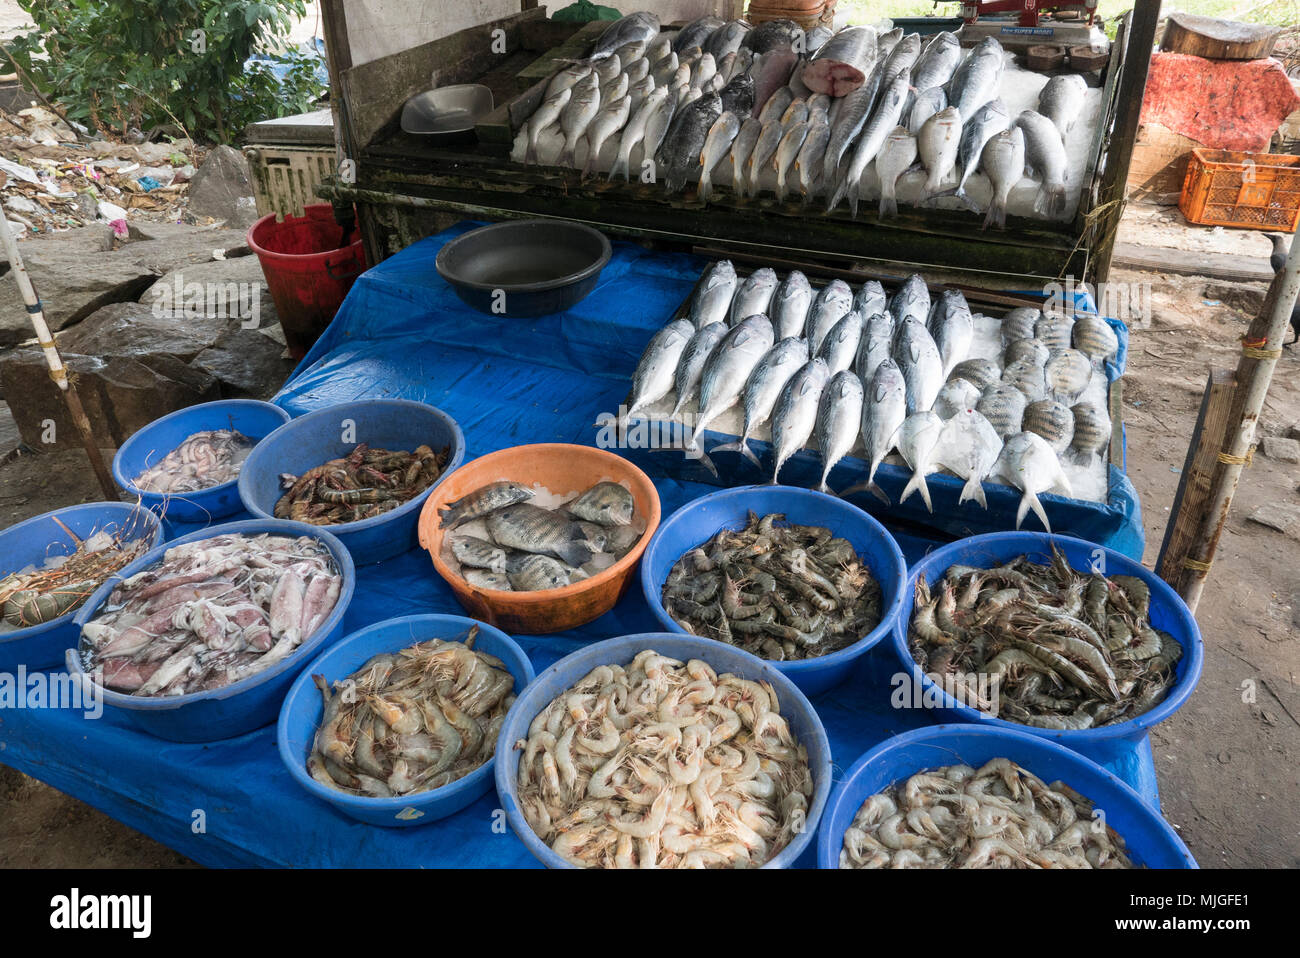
x=758, y=94
x=403, y=334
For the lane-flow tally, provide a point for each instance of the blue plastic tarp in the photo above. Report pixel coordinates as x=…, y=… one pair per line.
x=401, y=332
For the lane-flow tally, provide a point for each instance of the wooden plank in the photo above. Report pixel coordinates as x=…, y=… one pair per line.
x=1187, y=515
x=1217, y=39
x=1159, y=161
x=1162, y=259
x=574, y=48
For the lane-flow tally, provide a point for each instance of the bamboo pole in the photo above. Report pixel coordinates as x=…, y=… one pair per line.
x=58, y=372
x=1260, y=350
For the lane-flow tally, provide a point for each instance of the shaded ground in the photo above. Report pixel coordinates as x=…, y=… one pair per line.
x=1228, y=762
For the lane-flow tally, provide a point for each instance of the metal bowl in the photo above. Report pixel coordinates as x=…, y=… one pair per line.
x=447, y=114
x=525, y=268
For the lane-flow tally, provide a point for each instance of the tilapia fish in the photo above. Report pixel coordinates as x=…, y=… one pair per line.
x=841, y=63
x=480, y=502
x=1094, y=338
x=763, y=388
x=981, y=372
x=712, y=299
x=1053, y=421
x=1030, y=464
x=1019, y=324
x=606, y=503
x=789, y=306
x=754, y=295
x=1032, y=349
x=1067, y=374
x=1027, y=376
x=839, y=414
x=654, y=372
x=478, y=553
x=796, y=413
x=531, y=528
x=1092, y=428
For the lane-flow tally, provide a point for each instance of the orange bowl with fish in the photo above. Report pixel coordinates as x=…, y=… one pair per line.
x=565, y=471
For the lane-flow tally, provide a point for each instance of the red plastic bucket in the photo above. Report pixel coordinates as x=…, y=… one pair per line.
x=306, y=272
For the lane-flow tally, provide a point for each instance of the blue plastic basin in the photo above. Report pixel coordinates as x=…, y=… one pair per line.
x=244, y=705
x=1150, y=839
x=254, y=419
x=795, y=708
x=32, y=542
x=1168, y=613
x=319, y=436
x=697, y=522
x=300, y=716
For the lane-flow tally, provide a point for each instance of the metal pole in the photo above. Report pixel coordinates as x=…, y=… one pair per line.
x=58, y=372
x=1260, y=350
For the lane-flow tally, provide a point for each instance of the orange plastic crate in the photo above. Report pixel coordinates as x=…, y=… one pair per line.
x=1254, y=191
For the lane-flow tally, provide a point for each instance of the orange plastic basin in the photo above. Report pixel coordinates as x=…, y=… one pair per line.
x=565, y=470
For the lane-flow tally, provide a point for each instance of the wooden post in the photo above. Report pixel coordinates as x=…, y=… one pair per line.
x=1260, y=350
x=1188, y=511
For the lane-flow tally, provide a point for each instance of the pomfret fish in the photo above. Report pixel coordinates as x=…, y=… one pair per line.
x=955, y=396
x=796, y=413
x=686, y=378
x=969, y=447
x=654, y=372
x=712, y=300
x=763, y=388
x=789, y=305
x=917, y=439
x=754, y=295
x=1029, y=463
x=918, y=358
x=839, y=415
x=832, y=302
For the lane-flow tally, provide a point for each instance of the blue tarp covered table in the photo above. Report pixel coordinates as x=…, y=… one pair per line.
x=401, y=332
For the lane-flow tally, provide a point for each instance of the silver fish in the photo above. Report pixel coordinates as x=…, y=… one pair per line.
x=815, y=38
x=956, y=395
x=754, y=295
x=679, y=154
x=818, y=103
x=696, y=33
x=716, y=145
x=658, y=49
x=728, y=369
x=888, y=41
x=989, y=120
x=712, y=299
x=478, y=553
x=903, y=56
x=657, y=124
x=895, y=158
x=690, y=368
x=727, y=38
x=968, y=447
x=1004, y=407
x=763, y=388
x=639, y=92
x=1092, y=428
x=608, y=122
x=924, y=105
x=917, y=439
x=1019, y=324
x=876, y=346
x=1094, y=338
x=483, y=579
x=608, y=70
x=1003, y=162
x=614, y=90
x=883, y=410
x=851, y=114
x=980, y=372
x=1067, y=375
x=1055, y=331
x=480, y=502
x=664, y=71
x=1045, y=155
x=1033, y=349
x=654, y=372
x=1053, y=421
x=976, y=80
x=808, y=164
x=567, y=78
x=577, y=114
x=918, y=357
x=635, y=132
x=789, y=306
x=769, y=138
x=833, y=302
x=741, y=149
x=605, y=503
x=543, y=117
x=796, y=412
x=839, y=348
x=689, y=57
x=703, y=70
x=727, y=67
x=1028, y=463
x=912, y=298
x=938, y=61
x=629, y=29
x=870, y=299
x=937, y=145
x=1027, y=376
x=886, y=116
x=787, y=151
x=537, y=573
x=796, y=112
x=839, y=414
x=637, y=70
x=952, y=327
x=1061, y=100
x=531, y=528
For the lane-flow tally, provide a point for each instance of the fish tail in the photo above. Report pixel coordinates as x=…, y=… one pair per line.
x=706, y=187
x=620, y=166
x=575, y=552
x=1030, y=501
x=568, y=155
x=749, y=453
x=974, y=489
x=888, y=205
x=1056, y=200
x=867, y=486
x=855, y=189
x=530, y=154
x=917, y=484
x=840, y=189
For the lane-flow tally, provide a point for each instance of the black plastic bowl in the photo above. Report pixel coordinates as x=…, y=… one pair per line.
x=525, y=267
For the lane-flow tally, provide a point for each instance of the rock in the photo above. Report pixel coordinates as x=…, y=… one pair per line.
x=235, y=288
x=1282, y=449
x=1293, y=431
x=1280, y=516
x=223, y=190
x=9, y=437
x=87, y=206
x=142, y=329
x=248, y=364
x=120, y=394
x=1295, y=609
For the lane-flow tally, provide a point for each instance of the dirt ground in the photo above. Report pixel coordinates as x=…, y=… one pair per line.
x=1228, y=762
